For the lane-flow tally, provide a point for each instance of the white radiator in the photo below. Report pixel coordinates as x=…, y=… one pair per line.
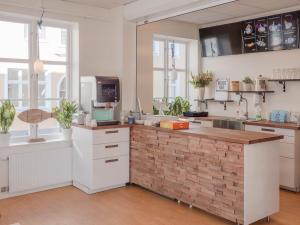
x=39, y=169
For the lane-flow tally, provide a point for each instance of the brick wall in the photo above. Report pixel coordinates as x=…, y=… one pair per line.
x=205, y=173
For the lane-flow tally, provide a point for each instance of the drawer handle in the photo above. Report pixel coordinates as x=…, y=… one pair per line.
x=269, y=130
x=111, y=160
x=111, y=146
x=111, y=132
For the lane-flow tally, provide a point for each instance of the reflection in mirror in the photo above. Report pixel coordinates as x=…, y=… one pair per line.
x=218, y=40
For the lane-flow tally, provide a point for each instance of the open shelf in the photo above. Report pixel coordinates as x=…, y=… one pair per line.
x=284, y=81
x=262, y=93
x=205, y=101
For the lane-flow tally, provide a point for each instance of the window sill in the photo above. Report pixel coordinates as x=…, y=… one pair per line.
x=56, y=140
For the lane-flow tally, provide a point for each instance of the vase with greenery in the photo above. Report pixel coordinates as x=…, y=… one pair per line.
x=176, y=107
x=64, y=115
x=200, y=81
x=7, y=116
x=247, y=84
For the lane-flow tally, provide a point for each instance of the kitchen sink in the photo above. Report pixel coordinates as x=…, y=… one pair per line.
x=233, y=124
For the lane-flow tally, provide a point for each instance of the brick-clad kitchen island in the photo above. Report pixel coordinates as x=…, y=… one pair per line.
x=231, y=174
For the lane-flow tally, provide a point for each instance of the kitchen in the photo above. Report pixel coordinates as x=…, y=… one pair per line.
x=222, y=162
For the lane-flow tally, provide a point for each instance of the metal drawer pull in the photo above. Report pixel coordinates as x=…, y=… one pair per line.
x=111, y=132
x=269, y=130
x=111, y=160
x=111, y=146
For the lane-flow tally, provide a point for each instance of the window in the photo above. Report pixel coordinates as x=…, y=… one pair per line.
x=17, y=42
x=164, y=83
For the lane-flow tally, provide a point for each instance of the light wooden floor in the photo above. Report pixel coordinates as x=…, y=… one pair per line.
x=125, y=206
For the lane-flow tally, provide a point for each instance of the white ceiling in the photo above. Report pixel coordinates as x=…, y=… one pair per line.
x=106, y=4
x=240, y=8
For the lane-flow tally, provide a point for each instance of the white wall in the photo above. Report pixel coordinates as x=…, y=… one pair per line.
x=236, y=67
x=145, y=34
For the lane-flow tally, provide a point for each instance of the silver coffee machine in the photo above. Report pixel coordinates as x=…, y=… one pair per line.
x=100, y=96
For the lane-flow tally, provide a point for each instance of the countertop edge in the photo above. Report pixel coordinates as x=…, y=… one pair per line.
x=212, y=137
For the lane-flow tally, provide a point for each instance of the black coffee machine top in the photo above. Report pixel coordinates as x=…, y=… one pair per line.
x=195, y=114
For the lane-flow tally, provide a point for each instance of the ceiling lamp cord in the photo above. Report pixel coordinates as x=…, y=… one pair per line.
x=38, y=64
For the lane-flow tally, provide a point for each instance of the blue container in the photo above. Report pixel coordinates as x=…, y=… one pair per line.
x=131, y=119
x=280, y=116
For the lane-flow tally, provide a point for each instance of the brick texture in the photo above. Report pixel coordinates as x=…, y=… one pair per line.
x=205, y=173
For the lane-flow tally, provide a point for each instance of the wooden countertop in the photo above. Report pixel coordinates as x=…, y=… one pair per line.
x=234, y=136
x=266, y=123
x=102, y=127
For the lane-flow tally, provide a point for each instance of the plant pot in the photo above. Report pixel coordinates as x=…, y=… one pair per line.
x=4, y=139
x=200, y=93
x=67, y=134
x=209, y=91
x=247, y=87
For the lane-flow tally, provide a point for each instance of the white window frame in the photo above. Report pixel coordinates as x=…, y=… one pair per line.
x=32, y=57
x=165, y=69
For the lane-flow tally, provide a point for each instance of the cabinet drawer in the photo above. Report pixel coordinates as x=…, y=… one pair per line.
x=287, y=150
x=287, y=172
x=110, y=150
x=111, y=135
x=285, y=132
x=110, y=171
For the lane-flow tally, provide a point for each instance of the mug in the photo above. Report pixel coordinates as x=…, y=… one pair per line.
x=131, y=119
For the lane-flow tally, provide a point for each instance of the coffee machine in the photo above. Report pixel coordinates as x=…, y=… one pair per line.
x=100, y=96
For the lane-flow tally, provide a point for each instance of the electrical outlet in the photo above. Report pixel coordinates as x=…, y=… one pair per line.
x=4, y=189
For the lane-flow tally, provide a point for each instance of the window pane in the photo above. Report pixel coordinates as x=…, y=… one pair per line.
x=14, y=86
x=158, y=54
x=13, y=40
x=177, y=87
x=180, y=55
x=158, y=84
x=53, y=44
x=52, y=84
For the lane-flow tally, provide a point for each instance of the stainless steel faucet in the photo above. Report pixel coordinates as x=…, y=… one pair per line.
x=247, y=108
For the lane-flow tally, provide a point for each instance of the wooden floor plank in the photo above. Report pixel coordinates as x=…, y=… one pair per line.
x=125, y=206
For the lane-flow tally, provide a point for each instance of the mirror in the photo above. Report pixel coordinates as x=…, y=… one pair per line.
x=170, y=50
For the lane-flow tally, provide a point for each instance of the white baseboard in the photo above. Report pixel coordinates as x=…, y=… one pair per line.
x=10, y=195
x=89, y=191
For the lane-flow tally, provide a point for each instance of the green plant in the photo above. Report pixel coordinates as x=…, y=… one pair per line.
x=179, y=106
x=64, y=113
x=202, y=79
x=248, y=80
x=7, y=115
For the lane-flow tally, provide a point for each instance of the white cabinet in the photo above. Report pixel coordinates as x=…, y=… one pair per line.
x=101, y=158
x=289, y=155
x=204, y=123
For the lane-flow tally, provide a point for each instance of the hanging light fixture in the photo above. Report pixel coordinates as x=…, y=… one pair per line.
x=173, y=75
x=38, y=66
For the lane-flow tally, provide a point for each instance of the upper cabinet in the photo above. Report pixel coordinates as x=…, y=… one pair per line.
x=272, y=33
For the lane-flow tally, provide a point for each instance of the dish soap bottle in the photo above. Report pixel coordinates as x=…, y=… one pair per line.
x=258, y=115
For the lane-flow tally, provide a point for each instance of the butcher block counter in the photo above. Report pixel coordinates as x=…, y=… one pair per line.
x=231, y=174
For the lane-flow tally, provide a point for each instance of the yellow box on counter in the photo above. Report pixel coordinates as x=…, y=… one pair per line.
x=175, y=125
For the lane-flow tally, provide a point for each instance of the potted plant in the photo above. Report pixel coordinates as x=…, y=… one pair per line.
x=64, y=115
x=247, y=84
x=7, y=115
x=200, y=81
x=179, y=106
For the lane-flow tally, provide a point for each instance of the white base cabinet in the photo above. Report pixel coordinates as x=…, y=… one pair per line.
x=289, y=155
x=101, y=159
